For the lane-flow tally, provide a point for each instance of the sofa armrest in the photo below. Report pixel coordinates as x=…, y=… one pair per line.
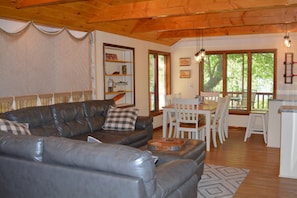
x=143, y=121
x=172, y=175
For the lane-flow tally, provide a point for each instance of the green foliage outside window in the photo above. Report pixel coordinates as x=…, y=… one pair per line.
x=228, y=73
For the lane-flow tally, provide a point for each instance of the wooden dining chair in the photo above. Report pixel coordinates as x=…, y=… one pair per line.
x=219, y=125
x=171, y=116
x=225, y=117
x=216, y=123
x=187, y=118
x=172, y=120
x=213, y=96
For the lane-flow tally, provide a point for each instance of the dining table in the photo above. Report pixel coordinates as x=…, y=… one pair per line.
x=206, y=108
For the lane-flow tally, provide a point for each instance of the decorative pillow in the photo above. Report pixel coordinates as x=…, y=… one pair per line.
x=15, y=128
x=121, y=119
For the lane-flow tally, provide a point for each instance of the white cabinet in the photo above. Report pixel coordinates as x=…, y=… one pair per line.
x=118, y=69
x=288, y=152
x=274, y=121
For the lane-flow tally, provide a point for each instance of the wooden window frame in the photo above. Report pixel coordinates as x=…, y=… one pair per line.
x=157, y=110
x=224, y=73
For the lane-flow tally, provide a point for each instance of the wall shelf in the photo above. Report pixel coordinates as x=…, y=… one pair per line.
x=118, y=66
x=118, y=61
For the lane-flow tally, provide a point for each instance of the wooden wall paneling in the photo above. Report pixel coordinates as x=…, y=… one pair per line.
x=6, y=104
x=62, y=97
x=77, y=96
x=25, y=101
x=45, y=99
x=88, y=95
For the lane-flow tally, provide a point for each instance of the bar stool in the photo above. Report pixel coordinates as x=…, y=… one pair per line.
x=253, y=128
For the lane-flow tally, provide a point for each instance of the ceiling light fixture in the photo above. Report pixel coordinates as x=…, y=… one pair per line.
x=287, y=40
x=199, y=56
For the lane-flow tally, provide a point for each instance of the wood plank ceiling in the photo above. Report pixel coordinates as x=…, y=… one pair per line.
x=159, y=21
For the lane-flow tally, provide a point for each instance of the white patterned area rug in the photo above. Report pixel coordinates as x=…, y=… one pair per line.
x=220, y=181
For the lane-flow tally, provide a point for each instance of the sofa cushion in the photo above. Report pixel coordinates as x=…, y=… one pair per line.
x=27, y=147
x=128, y=137
x=116, y=137
x=40, y=120
x=96, y=111
x=69, y=119
x=102, y=136
x=14, y=127
x=121, y=119
x=109, y=158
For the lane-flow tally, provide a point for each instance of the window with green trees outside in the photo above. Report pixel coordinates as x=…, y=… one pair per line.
x=248, y=76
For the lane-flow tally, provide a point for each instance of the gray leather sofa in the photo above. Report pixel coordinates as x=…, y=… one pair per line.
x=57, y=167
x=79, y=120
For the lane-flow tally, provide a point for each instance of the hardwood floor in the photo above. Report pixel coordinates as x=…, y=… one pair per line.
x=263, y=163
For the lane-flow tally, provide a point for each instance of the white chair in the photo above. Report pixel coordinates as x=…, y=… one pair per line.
x=187, y=118
x=257, y=124
x=210, y=95
x=172, y=120
x=216, y=123
x=244, y=100
x=225, y=117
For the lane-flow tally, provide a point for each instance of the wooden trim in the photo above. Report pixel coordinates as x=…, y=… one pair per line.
x=35, y=3
x=249, y=52
x=6, y=104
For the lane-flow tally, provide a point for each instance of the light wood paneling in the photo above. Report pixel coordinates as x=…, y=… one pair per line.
x=6, y=104
x=25, y=101
x=62, y=97
x=46, y=99
x=77, y=96
x=88, y=95
x=159, y=21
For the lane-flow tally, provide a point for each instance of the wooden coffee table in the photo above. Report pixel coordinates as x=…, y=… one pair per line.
x=166, y=144
x=167, y=150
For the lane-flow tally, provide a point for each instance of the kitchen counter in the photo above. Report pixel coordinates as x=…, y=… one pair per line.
x=274, y=119
x=288, y=109
x=288, y=152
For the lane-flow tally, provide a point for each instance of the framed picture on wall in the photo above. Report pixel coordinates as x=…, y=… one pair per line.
x=185, y=61
x=185, y=73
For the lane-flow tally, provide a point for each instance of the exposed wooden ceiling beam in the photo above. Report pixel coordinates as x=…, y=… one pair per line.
x=33, y=3
x=160, y=21
x=228, y=31
x=218, y=20
x=162, y=8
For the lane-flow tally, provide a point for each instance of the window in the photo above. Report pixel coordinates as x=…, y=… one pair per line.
x=159, y=80
x=247, y=76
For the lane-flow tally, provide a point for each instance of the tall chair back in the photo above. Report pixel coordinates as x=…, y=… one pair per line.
x=171, y=115
x=225, y=117
x=187, y=118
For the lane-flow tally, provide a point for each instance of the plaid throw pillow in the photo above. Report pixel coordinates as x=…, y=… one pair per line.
x=121, y=119
x=14, y=127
